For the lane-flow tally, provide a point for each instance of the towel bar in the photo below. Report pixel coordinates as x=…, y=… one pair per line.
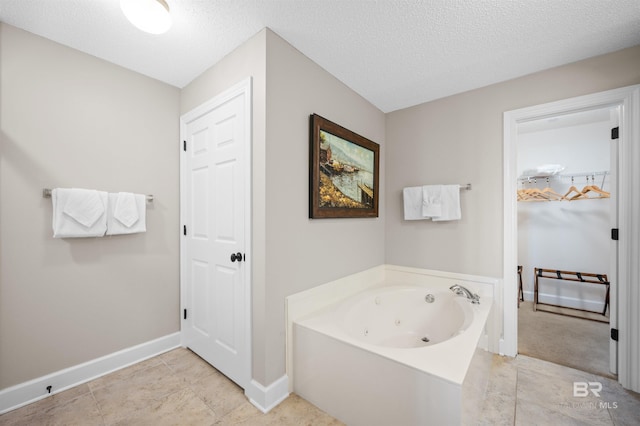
x=46, y=193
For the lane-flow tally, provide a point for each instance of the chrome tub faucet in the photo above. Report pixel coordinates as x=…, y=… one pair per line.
x=463, y=291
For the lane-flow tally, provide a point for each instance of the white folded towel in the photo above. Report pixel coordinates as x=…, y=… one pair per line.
x=450, y=203
x=412, y=200
x=84, y=205
x=78, y=213
x=125, y=209
x=432, y=201
x=126, y=213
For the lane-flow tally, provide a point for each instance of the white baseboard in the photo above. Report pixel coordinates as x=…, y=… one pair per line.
x=265, y=398
x=569, y=302
x=501, y=345
x=36, y=389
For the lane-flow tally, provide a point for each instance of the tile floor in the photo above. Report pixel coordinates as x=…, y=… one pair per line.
x=178, y=388
x=529, y=391
x=175, y=388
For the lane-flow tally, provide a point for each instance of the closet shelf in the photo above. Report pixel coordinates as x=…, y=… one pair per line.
x=562, y=176
x=589, y=192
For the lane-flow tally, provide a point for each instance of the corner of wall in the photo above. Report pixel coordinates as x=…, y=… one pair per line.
x=266, y=398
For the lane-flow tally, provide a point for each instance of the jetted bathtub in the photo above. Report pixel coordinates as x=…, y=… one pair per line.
x=404, y=316
x=390, y=355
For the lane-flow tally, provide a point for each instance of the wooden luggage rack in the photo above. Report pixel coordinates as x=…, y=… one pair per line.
x=583, y=277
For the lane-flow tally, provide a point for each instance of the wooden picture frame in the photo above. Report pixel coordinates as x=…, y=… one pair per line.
x=343, y=172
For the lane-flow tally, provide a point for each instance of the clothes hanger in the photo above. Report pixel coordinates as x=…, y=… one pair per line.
x=589, y=191
x=522, y=195
x=583, y=192
x=589, y=188
x=572, y=190
x=525, y=194
x=553, y=195
x=540, y=195
x=603, y=194
x=595, y=188
x=537, y=194
x=533, y=194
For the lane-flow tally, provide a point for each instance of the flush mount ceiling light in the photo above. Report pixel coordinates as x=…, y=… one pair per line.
x=151, y=16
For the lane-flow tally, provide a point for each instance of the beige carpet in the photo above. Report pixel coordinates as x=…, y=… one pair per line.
x=573, y=342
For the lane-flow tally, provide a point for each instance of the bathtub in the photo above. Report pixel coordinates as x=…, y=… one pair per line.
x=403, y=316
x=396, y=352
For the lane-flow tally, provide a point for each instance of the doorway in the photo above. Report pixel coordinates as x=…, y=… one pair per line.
x=565, y=213
x=625, y=328
x=215, y=210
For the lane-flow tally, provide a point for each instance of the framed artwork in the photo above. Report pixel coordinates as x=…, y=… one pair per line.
x=343, y=172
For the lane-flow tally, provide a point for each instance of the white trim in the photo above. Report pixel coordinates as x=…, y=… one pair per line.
x=247, y=85
x=614, y=155
x=509, y=342
x=36, y=389
x=629, y=210
x=594, y=306
x=265, y=398
x=629, y=244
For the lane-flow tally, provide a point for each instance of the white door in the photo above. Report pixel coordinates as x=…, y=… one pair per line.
x=215, y=211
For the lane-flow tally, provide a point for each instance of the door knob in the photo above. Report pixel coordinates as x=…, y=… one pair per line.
x=236, y=256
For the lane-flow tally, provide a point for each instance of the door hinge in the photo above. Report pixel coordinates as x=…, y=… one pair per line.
x=615, y=133
x=614, y=234
x=184, y=146
x=184, y=229
x=614, y=334
x=185, y=314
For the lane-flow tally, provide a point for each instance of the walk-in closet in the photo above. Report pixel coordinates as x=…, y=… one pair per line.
x=566, y=196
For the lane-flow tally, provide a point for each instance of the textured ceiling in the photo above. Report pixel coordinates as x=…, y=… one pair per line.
x=394, y=53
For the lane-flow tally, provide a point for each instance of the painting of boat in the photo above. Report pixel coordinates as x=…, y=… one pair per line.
x=344, y=172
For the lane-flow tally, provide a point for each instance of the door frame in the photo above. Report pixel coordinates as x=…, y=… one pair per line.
x=243, y=88
x=628, y=191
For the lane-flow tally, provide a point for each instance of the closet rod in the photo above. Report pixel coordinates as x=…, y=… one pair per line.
x=564, y=175
x=46, y=193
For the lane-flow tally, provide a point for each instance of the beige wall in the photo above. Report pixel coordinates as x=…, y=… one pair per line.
x=71, y=120
x=291, y=253
x=302, y=252
x=458, y=139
